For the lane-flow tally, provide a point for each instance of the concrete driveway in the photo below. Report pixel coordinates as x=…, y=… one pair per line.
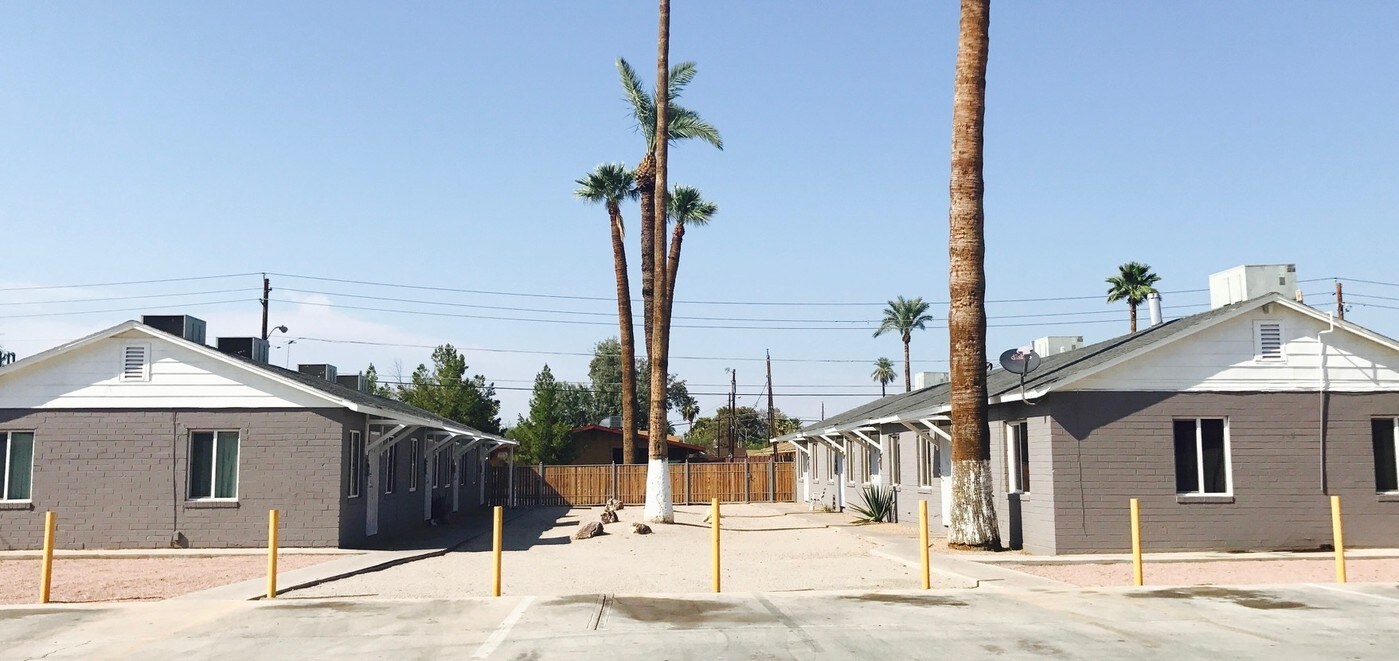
x=1310, y=621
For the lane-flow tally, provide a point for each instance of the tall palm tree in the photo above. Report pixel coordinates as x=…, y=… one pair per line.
x=884, y=374
x=973, y=522
x=1132, y=283
x=689, y=411
x=611, y=183
x=658, y=507
x=687, y=208
x=905, y=316
x=681, y=124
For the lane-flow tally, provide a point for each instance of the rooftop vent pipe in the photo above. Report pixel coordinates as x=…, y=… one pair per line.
x=1153, y=303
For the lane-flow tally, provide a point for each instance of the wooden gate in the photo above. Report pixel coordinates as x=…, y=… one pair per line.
x=576, y=486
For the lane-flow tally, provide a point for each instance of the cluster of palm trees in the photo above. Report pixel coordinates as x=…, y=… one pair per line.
x=661, y=207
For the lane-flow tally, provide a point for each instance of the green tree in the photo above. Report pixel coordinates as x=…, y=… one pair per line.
x=1132, y=283
x=751, y=427
x=445, y=390
x=605, y=373
x=576, y=403
x=905, y=316
x=544, y=435
x=973, y=522
x=371, y=377
x=610, y=184
x=884, y=374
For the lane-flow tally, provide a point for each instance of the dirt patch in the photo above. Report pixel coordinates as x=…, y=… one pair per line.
x=136, y=579
x=905, y=599
x=1218, y=572
x=1246, y=598
x=685, y=612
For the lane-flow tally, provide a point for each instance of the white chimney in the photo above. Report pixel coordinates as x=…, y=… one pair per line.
x=1153, y=303
x=924, y=379
x=1242, y=283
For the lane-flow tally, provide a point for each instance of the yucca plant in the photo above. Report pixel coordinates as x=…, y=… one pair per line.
x=878, y=505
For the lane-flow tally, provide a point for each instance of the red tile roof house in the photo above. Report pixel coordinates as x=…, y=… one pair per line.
x=1233, y=427
x=141, y=436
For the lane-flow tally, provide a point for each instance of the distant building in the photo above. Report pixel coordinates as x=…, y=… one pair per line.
x=596, y=444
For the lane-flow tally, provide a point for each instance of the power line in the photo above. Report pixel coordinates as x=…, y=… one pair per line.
x=140, y=309
x=132, y=298
x=130, y=282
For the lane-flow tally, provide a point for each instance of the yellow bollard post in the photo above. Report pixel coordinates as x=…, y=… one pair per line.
x=1336, y=538
x=714, y=538
x=46, y=573
x=497, y=538
x=1136, y=543
x=272, y=517
x=923, y=541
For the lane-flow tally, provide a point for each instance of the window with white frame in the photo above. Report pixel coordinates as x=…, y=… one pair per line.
x=927, y=460
x=829, y=463
x=1018, y=456
x=1202, y=456
x=391, y=469
x=1268, y=344
x=213, y=465
x=414, y=451
x=1385, y=434
x=891, y=443
x=874, y=461
x=356, y=463
x=16, y=465
x=136, y=362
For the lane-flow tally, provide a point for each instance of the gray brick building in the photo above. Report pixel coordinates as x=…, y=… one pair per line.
x=1232, y=427
x=140, y=438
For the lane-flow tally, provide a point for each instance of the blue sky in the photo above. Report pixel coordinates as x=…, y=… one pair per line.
x=436, y=144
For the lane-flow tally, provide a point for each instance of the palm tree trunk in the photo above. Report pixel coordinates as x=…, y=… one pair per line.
x=626, y=336
x=883, y=389
x=645, y=176
x=908, y=369
x=973, y=522
x=1132, y=317
x=659, y=508
x=677, y=237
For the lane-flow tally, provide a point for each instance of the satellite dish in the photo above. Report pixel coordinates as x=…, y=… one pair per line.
x=1020, y=361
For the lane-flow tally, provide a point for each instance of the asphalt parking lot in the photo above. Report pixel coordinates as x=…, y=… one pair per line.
x=1299, y=621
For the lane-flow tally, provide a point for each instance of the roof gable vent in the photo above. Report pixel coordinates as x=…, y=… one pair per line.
x=1268, y=340
x=135, y=362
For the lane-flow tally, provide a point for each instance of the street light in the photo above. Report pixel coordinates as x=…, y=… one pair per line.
x=282, y=329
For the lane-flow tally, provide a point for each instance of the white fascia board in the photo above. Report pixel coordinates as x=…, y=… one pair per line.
x=61, y=349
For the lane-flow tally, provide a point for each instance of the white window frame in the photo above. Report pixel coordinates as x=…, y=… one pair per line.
x=145, y=362
x=1013, y=441
x=1258, y=342
x=5, y=450
x=1395, y=421
x=214, y=466
x=829, y=464
x=414, y=452
x=356, y=463
x=891, y=442
x=1200, y=459
x=927, y=461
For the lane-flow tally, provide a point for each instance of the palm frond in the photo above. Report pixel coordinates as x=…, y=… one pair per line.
x=688, y=207
x=686, y=124
x=643, y=105
x=680, y=76
x=610, y=182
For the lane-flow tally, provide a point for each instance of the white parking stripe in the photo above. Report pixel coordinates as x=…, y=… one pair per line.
x=498, y=636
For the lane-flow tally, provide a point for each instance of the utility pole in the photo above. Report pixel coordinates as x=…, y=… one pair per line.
x=772, y=417
x=266, y=289
x=1340, y=302
x=733, y=404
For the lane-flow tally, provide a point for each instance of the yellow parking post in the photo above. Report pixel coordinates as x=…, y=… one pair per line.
x=714, y=538
x=923, y=541
x=1337, y=539
x=272, y=554
x=1136, y=543
x=497, y=538
x=46, y=573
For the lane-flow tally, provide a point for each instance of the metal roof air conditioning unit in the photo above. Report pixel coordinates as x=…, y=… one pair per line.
x=611, y=422
x=319, y=370
x=252, y=348
x=1048, y=346
x=1243, y=283
x=923, y=380
x=182, y=325
x=358, y=382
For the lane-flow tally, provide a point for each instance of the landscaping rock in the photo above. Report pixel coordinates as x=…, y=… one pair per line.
x=589, y=530
x=608, y=516
x=615, y=504
x=640, y=528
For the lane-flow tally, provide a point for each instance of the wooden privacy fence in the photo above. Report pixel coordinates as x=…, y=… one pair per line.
x=593, y=485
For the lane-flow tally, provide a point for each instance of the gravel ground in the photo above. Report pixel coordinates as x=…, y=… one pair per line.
x=763, y=550
x=131, y=579
x=1229, y=572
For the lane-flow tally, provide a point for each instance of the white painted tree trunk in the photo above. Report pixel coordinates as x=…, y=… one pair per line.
x=973, y=517
x=659, y=508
